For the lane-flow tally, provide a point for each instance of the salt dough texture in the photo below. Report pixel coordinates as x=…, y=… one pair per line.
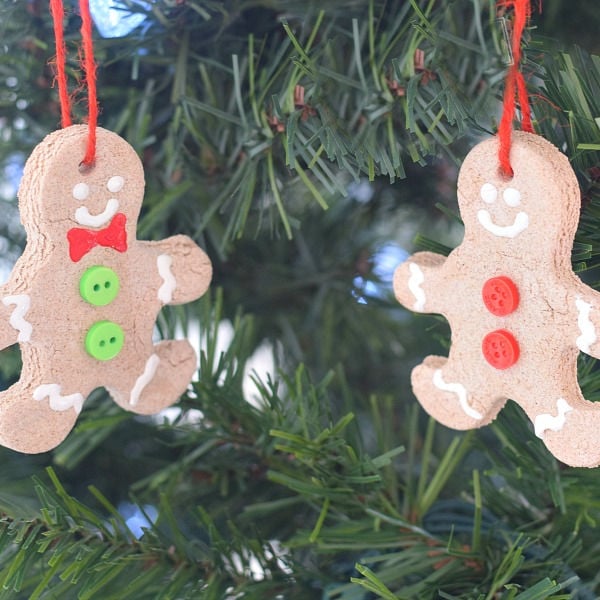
x=83, y=298
x=520, y=337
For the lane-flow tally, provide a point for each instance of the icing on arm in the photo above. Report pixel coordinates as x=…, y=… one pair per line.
x=415, y=281
x=17, y=321
x=165, y=291
x=586, y=322
x=414, y=285
x=587, y=329
x=184, y=269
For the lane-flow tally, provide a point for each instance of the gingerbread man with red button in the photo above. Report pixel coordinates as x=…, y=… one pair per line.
x=519, y=315
x=83, y=298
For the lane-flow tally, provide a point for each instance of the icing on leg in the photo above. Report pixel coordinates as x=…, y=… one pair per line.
x=164, y=377
x=17, y=320
x=570, y=430
x=56, y=401
x=546, y=421
x=459, y=390
x=144, y=379
x=452, y=402
x=165, y=292
x=35, y=417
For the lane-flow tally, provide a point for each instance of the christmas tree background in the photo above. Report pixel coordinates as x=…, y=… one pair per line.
x=308, y=147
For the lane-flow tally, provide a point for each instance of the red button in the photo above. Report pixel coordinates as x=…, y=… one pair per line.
x=500, y=295
x=500, y=349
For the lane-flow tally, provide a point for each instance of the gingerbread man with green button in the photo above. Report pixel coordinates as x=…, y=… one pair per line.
x=83, y=298
x=518, y=313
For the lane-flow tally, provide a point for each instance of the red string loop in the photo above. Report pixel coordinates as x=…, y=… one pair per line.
x=515, y=86
x=89, y=68
x=57, y=12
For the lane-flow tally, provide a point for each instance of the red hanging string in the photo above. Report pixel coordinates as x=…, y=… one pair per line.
x=515, y=85
x=89, y=68
x=57, y=11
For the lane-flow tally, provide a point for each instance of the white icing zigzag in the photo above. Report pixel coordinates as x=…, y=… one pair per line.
x=459, y=390
x=165, y=292
x=546, y=421
x=57, y=402
x=22, y=304
x=144, y=379
x=588, y=331
x=519, y=225
x=414, y=285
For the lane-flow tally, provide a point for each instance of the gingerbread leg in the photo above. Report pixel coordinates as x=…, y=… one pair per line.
x=163, y=378
x=36, y=417
x=447, y=399
x=569, y=427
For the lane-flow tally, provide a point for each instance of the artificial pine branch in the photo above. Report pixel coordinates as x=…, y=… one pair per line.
x=334, y=485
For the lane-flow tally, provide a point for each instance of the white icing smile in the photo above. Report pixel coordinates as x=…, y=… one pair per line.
x=459, y=390
x=512, y=198
x=414, y=285
x=547, y=421
x=519, y=225
x=83, y=216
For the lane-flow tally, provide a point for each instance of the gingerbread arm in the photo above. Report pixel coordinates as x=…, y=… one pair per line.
x=416, y=282
x=184, y=268
x=14, y=326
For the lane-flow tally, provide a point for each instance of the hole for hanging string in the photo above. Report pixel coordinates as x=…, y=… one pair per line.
x=85, y=168
x=504, y=175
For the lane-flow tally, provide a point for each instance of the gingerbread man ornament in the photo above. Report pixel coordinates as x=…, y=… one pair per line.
x=519, y=315
x=83, y=298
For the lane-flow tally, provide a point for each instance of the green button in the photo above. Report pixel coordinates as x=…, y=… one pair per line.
x=104, y=340
x=99, y=285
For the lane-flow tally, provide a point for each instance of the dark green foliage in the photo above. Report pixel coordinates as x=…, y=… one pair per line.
x=257, y=122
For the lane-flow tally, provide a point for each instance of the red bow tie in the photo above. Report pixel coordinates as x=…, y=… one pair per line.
x=81, y=241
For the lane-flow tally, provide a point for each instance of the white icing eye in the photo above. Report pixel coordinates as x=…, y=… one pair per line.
x=81, y=191
x=512, y=197
x=115, y=184
x=488, y=193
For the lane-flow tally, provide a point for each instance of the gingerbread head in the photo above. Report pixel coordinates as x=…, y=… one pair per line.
x=96, y=194
x=519, y=215
x=83, y=298
x=519, y=315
